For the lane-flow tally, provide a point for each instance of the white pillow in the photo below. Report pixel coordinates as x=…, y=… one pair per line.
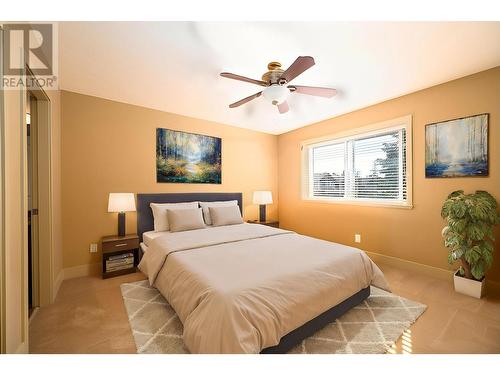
x=185, y=219
x=160, y=213
x=225, y=215
x=206, y=205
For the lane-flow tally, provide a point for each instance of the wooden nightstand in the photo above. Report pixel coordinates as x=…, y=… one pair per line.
x=269, y=223
x=115, y=246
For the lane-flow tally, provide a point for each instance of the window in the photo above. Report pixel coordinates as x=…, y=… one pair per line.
x=371, y=166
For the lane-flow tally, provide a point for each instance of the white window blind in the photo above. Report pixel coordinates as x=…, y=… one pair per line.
x=370, y=166
x=329, y=170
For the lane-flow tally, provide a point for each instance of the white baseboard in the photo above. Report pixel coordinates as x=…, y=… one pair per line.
x=57, y=284
x=33, y=314
x=83, y=270
x=412, y=266
x=423, y=268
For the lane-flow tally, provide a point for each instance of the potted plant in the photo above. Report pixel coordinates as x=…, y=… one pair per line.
x=469, y=237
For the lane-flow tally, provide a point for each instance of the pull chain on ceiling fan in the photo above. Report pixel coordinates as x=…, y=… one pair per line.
x=275, y=81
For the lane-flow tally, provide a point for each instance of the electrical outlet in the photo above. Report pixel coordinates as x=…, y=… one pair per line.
x=93, y=248
x=357, y=238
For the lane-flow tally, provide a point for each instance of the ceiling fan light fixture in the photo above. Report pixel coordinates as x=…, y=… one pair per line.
x=275, y=81
x=276, y=94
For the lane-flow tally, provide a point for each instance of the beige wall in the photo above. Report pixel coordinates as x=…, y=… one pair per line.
x=111, y=147
x=414, y=234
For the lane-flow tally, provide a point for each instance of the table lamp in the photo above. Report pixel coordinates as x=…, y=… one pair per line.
x=121, y=203
x=262, y=198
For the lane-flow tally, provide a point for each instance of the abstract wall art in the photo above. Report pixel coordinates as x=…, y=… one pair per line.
x=457, y=148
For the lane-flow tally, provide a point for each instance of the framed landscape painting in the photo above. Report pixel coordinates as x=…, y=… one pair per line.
x=457, y=148
x=187, y=158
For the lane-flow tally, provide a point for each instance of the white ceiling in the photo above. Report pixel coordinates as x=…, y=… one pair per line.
x=175, y=66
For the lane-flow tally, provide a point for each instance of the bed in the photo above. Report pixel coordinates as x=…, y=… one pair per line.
x=249, y=288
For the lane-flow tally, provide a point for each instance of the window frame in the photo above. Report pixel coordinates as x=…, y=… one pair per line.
x=367, y=131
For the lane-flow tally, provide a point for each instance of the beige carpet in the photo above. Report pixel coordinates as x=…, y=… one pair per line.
x=372, y=327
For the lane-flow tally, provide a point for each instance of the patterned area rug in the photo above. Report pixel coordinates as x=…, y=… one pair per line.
x=369, y=328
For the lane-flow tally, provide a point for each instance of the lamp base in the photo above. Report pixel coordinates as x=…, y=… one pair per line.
x=121, y=224
x=262, y=212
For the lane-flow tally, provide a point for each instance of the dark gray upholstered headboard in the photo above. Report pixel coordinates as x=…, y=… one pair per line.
x=145, y=215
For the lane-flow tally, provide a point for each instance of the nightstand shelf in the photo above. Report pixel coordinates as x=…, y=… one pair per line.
x=269, y=223
x=119, y=245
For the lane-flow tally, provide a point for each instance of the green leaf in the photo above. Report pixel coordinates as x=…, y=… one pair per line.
x=456, y=193
x=459, y=209
x=488, y=246
x=461, y=271
x=445, y=230
x=477, y=270
x=458, y=225
x=488, y=258
x=476, y=231
x=459, y=252
x=472, y=256
x=450, y=242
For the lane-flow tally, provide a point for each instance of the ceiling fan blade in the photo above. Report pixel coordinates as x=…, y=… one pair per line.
x=244, y=79
x=299, y=66
x=245, y=100
x=316, y=91
x=283, y=107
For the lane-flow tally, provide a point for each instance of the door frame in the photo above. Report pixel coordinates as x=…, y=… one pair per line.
x=43, y=266
x=3, y=337
x=32, y=149
x=17, y=230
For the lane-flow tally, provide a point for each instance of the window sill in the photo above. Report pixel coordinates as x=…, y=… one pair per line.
x=370, y=203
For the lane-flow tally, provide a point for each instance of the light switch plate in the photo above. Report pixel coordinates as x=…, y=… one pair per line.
x=93, y=248
x=357, y=238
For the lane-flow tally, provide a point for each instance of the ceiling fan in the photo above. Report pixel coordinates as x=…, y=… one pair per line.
x=275, y=81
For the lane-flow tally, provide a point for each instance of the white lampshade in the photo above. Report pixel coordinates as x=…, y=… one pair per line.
x=262, y=197
x=121, y=202
x=276, y=94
